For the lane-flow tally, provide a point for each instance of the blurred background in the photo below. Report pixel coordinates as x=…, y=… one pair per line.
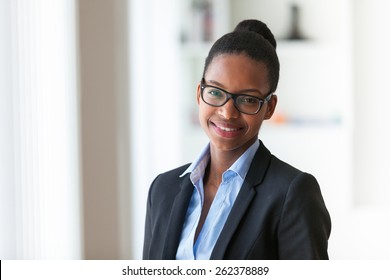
x=97, y=97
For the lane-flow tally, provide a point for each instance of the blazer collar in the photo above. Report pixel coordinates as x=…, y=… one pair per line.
x=259, y=165
x=254, y=177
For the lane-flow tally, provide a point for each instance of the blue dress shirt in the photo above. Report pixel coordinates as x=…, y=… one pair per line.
x=232, y=180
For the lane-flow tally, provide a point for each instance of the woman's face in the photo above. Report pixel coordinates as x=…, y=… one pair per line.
x=226, y=127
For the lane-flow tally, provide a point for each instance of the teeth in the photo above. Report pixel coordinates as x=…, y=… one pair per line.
x=228, y=129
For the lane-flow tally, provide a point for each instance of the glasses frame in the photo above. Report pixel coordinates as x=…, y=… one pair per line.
x=234, y=96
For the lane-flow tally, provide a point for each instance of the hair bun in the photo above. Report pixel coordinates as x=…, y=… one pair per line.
x=258, y=27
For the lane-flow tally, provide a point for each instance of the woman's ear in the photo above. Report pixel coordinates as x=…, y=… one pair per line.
x=271, y=105
x=198, y=94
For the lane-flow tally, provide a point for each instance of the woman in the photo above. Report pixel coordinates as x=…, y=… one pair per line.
x=237, y=200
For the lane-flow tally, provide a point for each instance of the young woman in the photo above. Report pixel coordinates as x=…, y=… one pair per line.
x=237, y=200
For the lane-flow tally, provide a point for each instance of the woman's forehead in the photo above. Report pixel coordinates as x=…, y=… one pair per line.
x=238, y=71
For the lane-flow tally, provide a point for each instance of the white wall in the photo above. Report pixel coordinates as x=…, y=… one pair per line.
x=154, y=68
x=372, y=99
x=368, y=226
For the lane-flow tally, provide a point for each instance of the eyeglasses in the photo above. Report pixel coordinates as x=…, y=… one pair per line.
x=245, y=103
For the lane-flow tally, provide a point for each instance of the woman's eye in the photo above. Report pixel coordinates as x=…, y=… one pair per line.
x=215, y=93
x=249, y=100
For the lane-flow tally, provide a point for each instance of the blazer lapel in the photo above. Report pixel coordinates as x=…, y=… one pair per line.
x=254, y=177
x=176, y=219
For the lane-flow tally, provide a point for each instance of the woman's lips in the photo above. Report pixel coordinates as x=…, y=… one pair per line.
x=227, y=130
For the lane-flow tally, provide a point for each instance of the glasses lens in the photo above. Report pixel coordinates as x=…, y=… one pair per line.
x=248, y=104
x=214, y=96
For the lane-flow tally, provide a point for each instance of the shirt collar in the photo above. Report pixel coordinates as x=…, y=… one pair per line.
x=199, y=165
x=240, y=166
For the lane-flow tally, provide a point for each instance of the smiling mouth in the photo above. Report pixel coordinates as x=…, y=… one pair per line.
x=226, y=129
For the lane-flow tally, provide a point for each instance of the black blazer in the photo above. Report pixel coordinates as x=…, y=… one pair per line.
x=279, y=213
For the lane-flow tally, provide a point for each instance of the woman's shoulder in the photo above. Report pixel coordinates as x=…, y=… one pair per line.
x=267, y=164
x=282, y=169
x=289, y=179
x=169, y=183
x=170, y=179
x=279, y=165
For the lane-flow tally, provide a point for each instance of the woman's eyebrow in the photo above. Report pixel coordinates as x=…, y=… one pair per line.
x=241, y=91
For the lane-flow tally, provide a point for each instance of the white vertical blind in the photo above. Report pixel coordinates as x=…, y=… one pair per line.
x=7, y=213
x=42, y=101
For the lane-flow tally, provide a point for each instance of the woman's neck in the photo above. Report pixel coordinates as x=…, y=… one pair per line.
x=220, y=161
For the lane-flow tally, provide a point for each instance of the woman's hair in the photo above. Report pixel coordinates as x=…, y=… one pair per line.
x=254, y=39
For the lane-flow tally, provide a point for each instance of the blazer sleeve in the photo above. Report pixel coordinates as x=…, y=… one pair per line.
x=305, y=224
x=148, y=226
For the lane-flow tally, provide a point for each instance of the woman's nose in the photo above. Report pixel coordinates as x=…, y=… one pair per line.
x=229, y=110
